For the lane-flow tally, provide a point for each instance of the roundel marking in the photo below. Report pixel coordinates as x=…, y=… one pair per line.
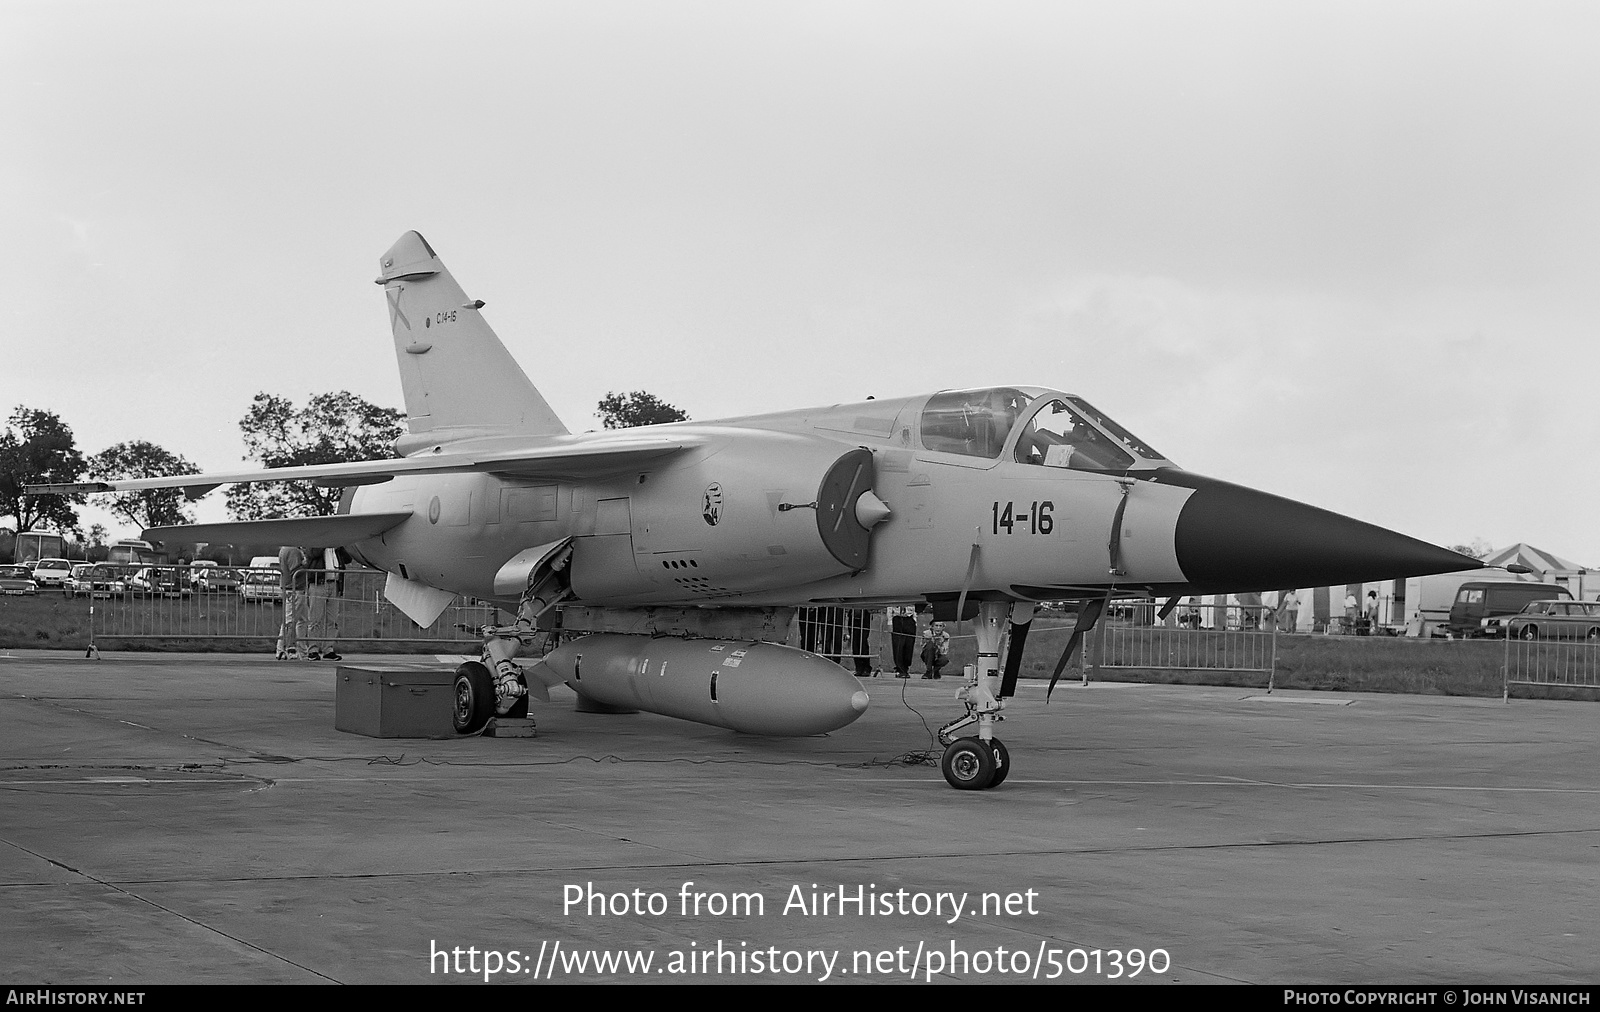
x=433, y=511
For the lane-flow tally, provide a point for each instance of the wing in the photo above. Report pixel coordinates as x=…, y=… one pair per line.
x=343, y=529
x=576, y=457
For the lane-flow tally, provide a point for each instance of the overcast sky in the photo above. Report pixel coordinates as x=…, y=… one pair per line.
x=1343, y=252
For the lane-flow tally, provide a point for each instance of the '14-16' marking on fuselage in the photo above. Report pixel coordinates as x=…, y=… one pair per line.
x=1036, y=521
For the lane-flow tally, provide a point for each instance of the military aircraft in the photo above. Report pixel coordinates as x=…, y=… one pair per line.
x=674, y=556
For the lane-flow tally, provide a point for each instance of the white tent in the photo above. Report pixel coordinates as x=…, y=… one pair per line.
x=1541, y=563
x=1580, y=582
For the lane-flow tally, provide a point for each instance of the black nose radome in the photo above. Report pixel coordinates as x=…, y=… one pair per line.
x=1230, y=538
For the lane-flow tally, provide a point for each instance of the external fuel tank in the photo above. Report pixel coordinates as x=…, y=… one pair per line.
x=743, y=685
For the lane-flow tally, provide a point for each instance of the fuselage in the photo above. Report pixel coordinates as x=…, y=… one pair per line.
x=1016, y=492
x=735, y=520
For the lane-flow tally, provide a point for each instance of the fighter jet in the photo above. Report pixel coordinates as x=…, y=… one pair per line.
x=672, y=557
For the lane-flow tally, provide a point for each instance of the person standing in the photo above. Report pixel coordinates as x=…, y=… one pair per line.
x=830, y=633
x=807, y=621
x=1289, y=611
x=324, y=584
x=860, y=624
x=292, y=580
x=902, y=638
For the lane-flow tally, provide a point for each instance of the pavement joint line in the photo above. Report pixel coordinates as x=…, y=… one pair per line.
x=1242, y=782
x=932, y=782
x=845, y=860
x=50, y=701
x=167, y=910
x=186, y=774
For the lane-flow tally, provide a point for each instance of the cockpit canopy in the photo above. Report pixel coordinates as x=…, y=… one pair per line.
x=1032, y=426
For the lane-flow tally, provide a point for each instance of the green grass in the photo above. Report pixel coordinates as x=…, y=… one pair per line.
x=45, y=621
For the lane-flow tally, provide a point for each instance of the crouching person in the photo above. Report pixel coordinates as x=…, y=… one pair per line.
x=936, y=650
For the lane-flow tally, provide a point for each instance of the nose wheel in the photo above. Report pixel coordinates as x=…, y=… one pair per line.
x=972, y=764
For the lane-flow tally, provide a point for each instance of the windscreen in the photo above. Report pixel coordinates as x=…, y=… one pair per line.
x=1058, y=435
x=1105, y=421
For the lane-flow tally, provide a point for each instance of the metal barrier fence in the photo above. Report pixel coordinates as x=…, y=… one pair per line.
x=1569, y=662
x=1238, y=638
x=179, y=603
x=201, y=603
x=1193, y=638
x=845, y=635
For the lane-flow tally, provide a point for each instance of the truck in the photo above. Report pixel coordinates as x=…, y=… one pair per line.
x=35, y=545
x=133, y=552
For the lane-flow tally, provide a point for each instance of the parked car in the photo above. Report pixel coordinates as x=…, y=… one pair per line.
x=261, y=587
x=15, y=580
x=1557, y=620
x=216, y=580
x=156, y=580
x=196, y=569
x=106, y=580
x=52, y=574
x=1478, y=602
x=79, y=582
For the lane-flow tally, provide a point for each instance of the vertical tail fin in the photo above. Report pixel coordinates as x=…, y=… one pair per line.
x=457, y=378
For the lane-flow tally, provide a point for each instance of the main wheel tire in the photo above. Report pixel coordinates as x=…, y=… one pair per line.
x=1002, y=762
x=967, y=765
x=474, y=698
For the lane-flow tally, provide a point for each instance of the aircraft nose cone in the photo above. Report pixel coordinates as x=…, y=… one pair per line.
x=858, y=702
x=1232, y=538
x=870, y=510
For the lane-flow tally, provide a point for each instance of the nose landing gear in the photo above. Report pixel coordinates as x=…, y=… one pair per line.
x=976, y=763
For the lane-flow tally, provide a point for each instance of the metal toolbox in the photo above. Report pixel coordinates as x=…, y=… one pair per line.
x=394, y=702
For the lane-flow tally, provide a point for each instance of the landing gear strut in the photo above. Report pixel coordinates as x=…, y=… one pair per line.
x=547, y=586
x=980, y=762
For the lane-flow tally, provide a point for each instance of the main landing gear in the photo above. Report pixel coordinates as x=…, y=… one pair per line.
x=496, y=685
x=976, y=763
x=473, y=696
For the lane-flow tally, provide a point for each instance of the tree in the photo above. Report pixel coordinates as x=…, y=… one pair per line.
x=624, y=411
x=330, y=429
x=158, y=507
x=88, y=546
x=37, y=447
x=1479, y=549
